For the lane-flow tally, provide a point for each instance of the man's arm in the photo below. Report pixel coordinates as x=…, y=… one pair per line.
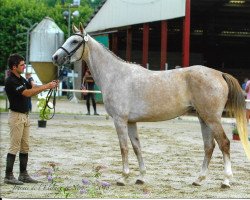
x=36, y=90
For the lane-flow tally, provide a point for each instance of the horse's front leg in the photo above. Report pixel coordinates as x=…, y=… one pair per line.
x=122, y=132
x=134, y=138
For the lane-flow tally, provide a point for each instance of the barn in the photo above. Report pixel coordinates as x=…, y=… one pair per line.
x=165, y=34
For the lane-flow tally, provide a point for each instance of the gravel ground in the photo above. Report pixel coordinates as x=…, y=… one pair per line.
x=74, y=147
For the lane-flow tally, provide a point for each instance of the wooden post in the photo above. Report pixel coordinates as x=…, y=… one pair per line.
x=114, y=43
x=164, y=34
x=145, y=44
x=186, y=36
x=129, y=44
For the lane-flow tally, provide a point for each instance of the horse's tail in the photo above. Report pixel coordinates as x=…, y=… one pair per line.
x=236, y=106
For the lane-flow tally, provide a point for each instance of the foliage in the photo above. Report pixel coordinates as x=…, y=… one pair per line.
x=89, y=188
x=44, y=113
x=17, y=16
x=95, y=3
x=235, y=130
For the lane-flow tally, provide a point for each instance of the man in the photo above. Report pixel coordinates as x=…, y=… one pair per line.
x=18, y=90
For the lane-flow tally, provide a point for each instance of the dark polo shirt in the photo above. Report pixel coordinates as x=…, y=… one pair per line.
x=14, y=87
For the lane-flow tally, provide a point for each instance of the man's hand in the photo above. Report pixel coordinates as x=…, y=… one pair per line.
x=52, y=84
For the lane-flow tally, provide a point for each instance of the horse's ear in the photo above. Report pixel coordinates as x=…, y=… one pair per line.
x=74, y=29
x=81, y=27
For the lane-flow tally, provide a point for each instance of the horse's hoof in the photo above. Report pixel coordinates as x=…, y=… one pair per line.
x=225, y=186
x=119, y=183
x=196, y=184
x=139, y=182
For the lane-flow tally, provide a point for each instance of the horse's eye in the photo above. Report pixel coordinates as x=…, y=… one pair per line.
x=74, y=42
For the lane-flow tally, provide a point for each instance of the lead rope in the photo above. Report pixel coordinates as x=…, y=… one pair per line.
x=46, y=105
x=51, y=91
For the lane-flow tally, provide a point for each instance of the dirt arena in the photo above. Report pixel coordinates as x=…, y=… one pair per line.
x=75, y=147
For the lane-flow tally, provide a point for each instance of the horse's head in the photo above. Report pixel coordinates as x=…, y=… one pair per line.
x=73, y=48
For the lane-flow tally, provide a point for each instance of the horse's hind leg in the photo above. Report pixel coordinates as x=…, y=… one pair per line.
x=134, y=138
x=209, y=145
x=224, y=144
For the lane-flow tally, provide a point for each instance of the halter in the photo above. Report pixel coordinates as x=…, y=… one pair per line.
x=69, y=54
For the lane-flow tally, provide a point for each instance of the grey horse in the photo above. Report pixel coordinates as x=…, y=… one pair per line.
x=134, y=94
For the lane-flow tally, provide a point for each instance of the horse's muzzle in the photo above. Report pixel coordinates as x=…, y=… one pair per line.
x=59, y=60
x=54, y=58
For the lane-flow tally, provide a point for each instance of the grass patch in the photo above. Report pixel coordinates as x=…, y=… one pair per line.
x=3, y=110
x=3, y=97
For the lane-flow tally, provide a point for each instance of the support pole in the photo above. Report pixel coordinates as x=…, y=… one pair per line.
x=28, y=45
x=129, y=44
x=186, y=36
x=74, y=99
x=114, y=43
x=163, y=44
x=145, y=44
x=69, y=16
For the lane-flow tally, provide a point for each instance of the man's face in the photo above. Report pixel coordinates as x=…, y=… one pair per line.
x=20, y=67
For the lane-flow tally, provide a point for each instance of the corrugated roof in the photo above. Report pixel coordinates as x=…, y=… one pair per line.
x=119, y=13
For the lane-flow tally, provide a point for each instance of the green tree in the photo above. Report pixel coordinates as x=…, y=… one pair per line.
x=95, y=3
x=17, y=16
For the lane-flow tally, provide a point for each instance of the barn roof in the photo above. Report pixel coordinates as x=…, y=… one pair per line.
x=118, y=13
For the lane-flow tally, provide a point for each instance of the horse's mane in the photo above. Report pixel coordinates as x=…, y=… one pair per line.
x=117, y=57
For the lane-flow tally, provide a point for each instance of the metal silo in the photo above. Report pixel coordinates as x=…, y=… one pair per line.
x=45, y=39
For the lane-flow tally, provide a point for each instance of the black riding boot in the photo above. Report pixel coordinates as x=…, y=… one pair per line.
x=9, y=177
x=24, y=176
